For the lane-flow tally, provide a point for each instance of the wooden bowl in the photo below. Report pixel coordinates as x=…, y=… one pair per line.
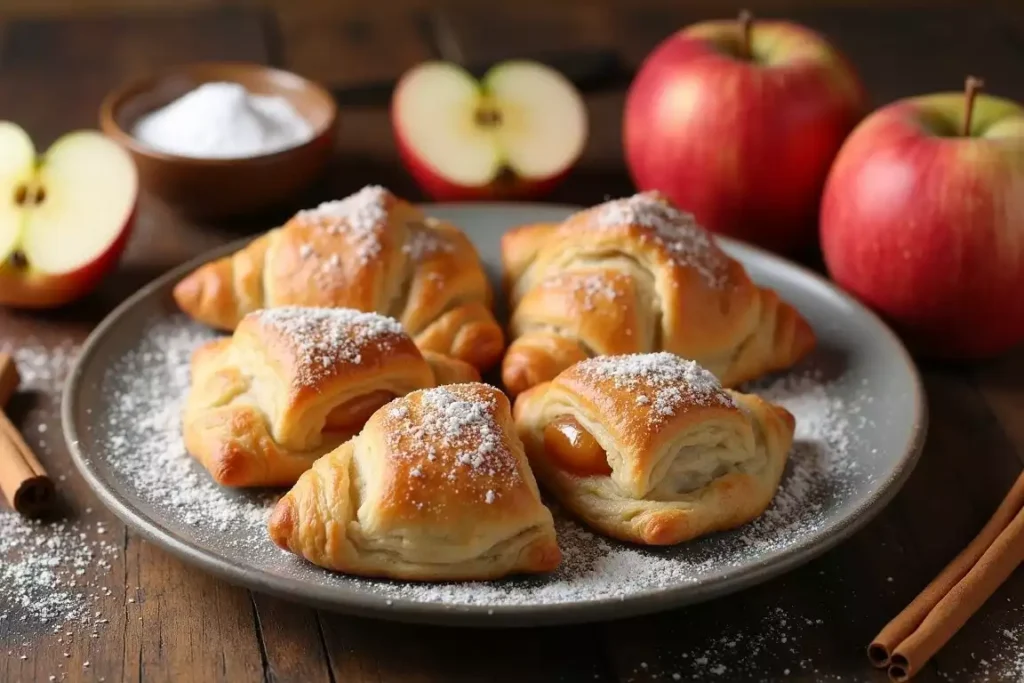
x=213, y=188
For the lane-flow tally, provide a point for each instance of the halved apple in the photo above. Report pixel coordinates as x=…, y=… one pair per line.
x=64, y=217
x=513, y=134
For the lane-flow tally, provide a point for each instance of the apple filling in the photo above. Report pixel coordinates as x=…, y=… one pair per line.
x=353, y=414
x=575, y=449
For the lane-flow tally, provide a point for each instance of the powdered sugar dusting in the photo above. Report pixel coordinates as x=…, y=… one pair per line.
x=663, y=382
x=424, y=242
x=359, y=216
x=676, y=231
x=454, y=429
x=44, y=565
x=141, y=440
x=142, y=435
x=1006, y=645
x=593, y=289
x=51, y=571
x=324, y=338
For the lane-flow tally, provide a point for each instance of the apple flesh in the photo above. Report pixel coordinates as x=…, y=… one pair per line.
x=926, y=224
x=64, y=217
x=512, y=135
x=739, y=127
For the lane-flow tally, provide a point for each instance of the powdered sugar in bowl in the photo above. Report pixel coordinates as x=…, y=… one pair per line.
x=224, y=139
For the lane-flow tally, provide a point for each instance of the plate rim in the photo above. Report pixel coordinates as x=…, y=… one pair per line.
x=374, y=605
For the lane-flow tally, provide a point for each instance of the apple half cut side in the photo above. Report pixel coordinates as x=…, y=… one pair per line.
x=64, y=218
x=513, y=134
x=17, y=167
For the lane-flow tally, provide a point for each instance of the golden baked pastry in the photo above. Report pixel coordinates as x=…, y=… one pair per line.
x=637, y=275
x=650, y=448
x=292, y=383
x=370, y=251
x=435, y=487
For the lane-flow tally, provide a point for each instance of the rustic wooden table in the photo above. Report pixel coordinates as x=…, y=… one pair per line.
x=165, y=621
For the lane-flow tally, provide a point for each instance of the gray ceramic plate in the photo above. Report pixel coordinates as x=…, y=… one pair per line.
x=857, y=400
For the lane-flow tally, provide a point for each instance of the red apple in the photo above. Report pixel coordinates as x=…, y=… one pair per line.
x=738, y=122
x=512, y=135
x=64, y=217
x=923, y=219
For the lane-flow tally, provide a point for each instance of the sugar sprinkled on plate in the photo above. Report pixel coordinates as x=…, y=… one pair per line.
x=142, y=432
x=677, y=232
x=142, y=443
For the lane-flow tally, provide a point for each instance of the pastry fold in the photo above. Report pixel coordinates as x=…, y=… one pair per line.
x=681, y=457
x=371, y=251
x=292, y=383
x=435, y=487
x=637, y=275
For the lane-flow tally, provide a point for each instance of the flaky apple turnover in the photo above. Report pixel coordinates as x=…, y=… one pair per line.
x=371, y=251
x=650, y=448
x=292, y=383
x=435, y=487
x=637, y=275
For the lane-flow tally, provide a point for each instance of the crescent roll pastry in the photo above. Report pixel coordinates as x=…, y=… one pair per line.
x=435, y=487
x=650, y=448
x=637, y=275
x=292, y=383
x=370, y=251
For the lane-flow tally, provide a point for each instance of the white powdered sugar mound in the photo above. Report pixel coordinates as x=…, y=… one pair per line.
x=678, y=233
x=141, y=440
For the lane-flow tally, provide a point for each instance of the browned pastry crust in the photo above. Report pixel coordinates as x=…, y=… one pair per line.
x=435, y=487
x=291, y=383
x=683, y=457
x=372, y=252
x=637, y=275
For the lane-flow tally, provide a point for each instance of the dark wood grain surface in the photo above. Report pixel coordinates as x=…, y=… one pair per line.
x=170, y=622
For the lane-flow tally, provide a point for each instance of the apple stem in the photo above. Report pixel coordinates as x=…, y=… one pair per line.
x=746, y=20
x=971, y=88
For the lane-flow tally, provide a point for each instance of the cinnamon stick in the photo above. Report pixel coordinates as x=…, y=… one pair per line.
x=914, y=635
x=23, y=480
x=995, y=566
x=9, y=379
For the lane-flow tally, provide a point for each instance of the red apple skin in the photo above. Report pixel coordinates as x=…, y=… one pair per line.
x=439, y=189
x=745, y=147
x=52, y=290
x=929, y=231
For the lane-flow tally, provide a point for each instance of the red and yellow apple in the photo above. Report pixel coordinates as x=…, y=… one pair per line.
x=923, y=219
x=65, y=217
x=738, y=122
x=513, y=134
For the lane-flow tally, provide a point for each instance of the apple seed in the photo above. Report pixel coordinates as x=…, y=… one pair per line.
x=17, y=259
x=488, y=117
